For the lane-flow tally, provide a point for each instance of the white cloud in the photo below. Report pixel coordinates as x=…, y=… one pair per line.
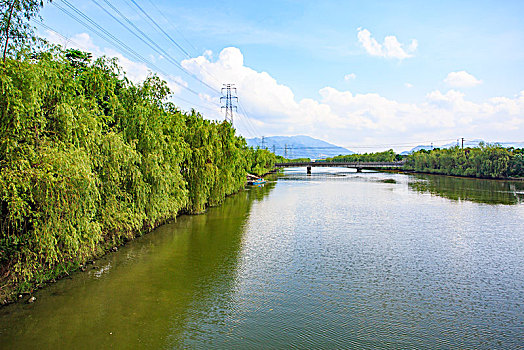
x=391, y=48
x=350, y=118
x=350, y=76
x=408, y=85
x=338, y=116
x=259, y=92
x=461, y=79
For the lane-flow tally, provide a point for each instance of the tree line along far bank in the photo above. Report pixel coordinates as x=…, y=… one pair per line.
x=89, y=159
x=484, y=161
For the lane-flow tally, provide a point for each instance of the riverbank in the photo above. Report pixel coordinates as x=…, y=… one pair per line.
x=404, y=171
x=9, y=294
x=353, y=261
x=89, y=161
x=487, y=161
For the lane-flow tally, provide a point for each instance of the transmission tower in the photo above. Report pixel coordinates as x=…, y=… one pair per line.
x=229, y=100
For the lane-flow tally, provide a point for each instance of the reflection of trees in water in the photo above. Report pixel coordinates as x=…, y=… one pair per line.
x=149, y=294
x=213, y=251
x=475, y=190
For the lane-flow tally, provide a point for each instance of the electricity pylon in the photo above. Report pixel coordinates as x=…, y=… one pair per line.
x=229, y=101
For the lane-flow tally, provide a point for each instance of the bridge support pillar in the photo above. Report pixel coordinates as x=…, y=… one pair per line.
x=309, y=170
x=359, y=170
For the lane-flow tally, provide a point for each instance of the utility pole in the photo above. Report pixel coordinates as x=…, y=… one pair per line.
x=263, y=142
x=462, y=143
x=274, y=149
x=285, y=150
x=229, y=100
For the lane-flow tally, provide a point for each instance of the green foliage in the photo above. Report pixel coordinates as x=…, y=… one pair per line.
x=486, y=161
x=471, y=189
x=78, y=58
x=15, y=30
x=516, y=164
x=89, y=160
x=281, y=159
x=261, y=161
x=386, y=156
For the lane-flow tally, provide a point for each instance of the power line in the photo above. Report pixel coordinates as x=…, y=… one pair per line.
x=174, y=42
x=40, y=23
x=111, y=39
x=192, y=103
x=150, y=42
x=173, y=27
x=241, y=124
x=160, y=28
x=250, y=125
x=100, y=31
x=106, y=35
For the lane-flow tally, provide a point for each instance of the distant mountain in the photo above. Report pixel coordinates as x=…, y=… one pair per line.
x=467, y=143
x=512, y=144
x=298, y=147
x=416, y=149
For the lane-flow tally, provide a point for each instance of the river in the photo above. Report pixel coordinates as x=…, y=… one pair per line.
x=333, y=260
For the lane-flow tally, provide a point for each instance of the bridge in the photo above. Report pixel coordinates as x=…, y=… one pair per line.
x=356, y=165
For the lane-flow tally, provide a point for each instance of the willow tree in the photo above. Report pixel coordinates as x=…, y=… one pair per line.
x=14, y=24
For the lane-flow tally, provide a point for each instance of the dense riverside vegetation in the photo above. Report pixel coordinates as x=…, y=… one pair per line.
x=386, y=156
x=486, y=161
x=89, y=160
x=281, y=159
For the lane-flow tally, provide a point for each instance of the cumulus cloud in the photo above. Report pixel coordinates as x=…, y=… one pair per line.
x=258, y=91
x=350, y=118
x=350, y=76
x=390, y=48
x=342, y=117
x=461, y=79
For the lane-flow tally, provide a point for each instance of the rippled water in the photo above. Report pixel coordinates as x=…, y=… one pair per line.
x=332, y=260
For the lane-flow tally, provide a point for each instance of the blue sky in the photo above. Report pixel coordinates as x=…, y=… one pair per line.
x=366, y=73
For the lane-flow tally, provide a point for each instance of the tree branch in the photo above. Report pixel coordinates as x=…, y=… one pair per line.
x=7, y=27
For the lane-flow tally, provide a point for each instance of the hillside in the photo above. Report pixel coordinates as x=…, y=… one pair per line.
x=467, y=143
x=298, y=147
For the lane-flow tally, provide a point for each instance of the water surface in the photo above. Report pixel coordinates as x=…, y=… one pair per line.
x=332, y=260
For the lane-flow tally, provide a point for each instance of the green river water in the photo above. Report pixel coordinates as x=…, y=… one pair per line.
x=334, y=260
